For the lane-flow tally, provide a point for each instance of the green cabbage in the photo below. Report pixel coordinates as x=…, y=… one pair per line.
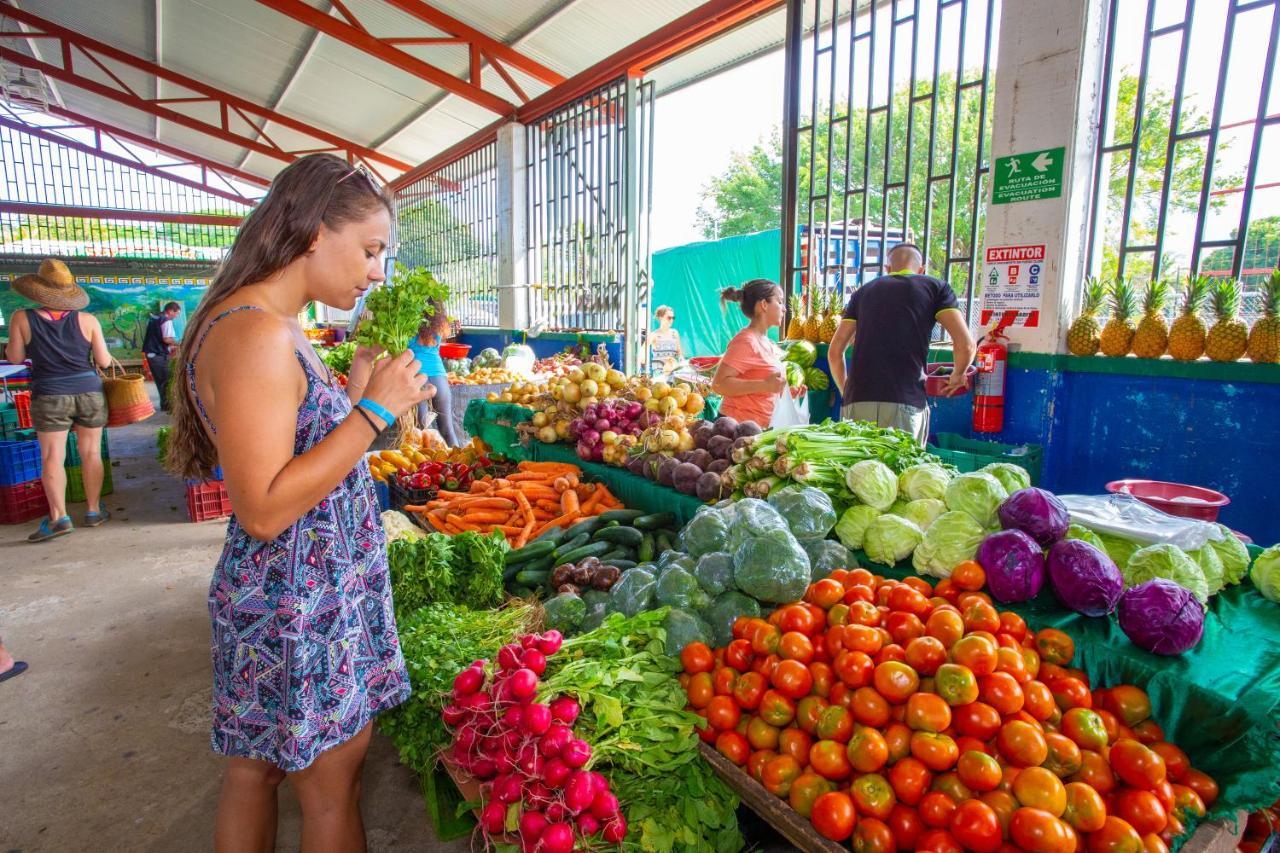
x=1084, y=534
x=1211, y=564
x=715, y=572
x=825, y=556
x=923, y=512
x=772, y=567
x=873, y=483
x=633, y=592
x=705, y=532
x=1169, y=562
x=725, y=610
x=676, y=588
x=684, y=628
x=565, y=613
x=979, y=494
x=1012, y=477
x=1118, y=548
x=952, y=538
x=852, y=525
x=749, y=518
x=1234, y=556
x=807, y=510
x=1265, y=573
x=927, y=480
x=891, y=538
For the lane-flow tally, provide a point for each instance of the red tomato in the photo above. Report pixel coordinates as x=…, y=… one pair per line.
x=733, y=746
x=834, y=815
x=1187, y=803
x=969, y=576
x=1137, y=765
x=904, y=627
x=795, y=646
x=776, y=709
x=976, y=719
x=706, y=732
x=910, y=779
x=1115, y=836
x=1037, y=831
x=891, y=652
x=906, y=825
x=748, y=690
x=854, y=668
x=722, y=713
x=761, y=735
x=796, y=618
x=980, y=615
x=1175, y=760
x=873, y=836
x=869, y=707
x=739, y=655
x=926, y=654
x=823, y=678
x=829, y=760
x=905, y=597
x=945, y=625
x=1142, y=810
x=1022, y=744
x=806, y=789
x=1013, y=625
x=765, y=665
x=765, y=639
x=778, y=774
x=696, y=657
x=927, y=712
x=1038, y=700
x=792, y=679
x=1038, y=788
x=757, y=761
x=1003, y=804
x=1202, y=784
x=1148, y=732
x=939, y=841
x=1085, y=812
x=835, y=723
x=895, y=681
x=1071, y=693
x=868, y=751
x=1095, y=772
x=723, y=680
x=979, y=771
x=873, y=795
x=975, y=825
x=1065, y=757
x=808, y=711
x=938, y=752
x=794, y=742
x=1130, y=704
x=1001, y=691
x=976, y=653
x=826, y=593
x=1085, y=728
x=700, y=690
x=936, y=809
x=1055, y=646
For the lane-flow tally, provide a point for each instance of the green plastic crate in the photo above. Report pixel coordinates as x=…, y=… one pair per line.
x=73, y=449
x=75, y=482
x=970, y=454
x=443, y=799
x=8, y=421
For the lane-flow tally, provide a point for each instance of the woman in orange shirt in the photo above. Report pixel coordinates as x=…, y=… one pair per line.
x=750, y=376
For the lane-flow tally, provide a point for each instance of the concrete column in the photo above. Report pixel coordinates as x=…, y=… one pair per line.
x=513, y=201
x=1048, y=79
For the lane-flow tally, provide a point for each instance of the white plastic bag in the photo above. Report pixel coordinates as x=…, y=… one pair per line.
x=790, y=411
x=1125, y=516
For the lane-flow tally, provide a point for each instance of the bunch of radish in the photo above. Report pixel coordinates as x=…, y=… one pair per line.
x=525, y=751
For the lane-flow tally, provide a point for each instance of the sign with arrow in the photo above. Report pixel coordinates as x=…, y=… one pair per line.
x=1028, y=177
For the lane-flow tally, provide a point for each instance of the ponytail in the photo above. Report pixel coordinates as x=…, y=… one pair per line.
x=755, y=291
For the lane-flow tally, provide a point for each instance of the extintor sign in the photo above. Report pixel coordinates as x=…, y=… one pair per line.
x=1013, y=285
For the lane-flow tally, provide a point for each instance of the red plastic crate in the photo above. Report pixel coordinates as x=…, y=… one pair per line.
x=22, y=402
x=206, y=501
x=22, y=502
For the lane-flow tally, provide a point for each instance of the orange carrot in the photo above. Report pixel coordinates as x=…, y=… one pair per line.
x=559, y=521
x=415, y=508
x=569, y=502
x=558, y=467
x=444, y=495
x=538, y=476
x=553, y=506
x=485, y=516
x=437, y=523
x=605, y=497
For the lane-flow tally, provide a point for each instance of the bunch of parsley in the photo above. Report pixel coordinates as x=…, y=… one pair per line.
x=394, y=311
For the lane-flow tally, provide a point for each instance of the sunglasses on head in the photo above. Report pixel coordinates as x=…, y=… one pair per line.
x=360, y=169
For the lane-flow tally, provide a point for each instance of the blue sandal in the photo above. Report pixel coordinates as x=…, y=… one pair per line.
x=96, y=519
x=44, y=532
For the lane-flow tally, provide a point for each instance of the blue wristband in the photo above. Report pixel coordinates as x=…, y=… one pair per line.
x=377, y=409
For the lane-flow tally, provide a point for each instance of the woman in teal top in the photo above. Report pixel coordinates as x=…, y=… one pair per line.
x=426, y=349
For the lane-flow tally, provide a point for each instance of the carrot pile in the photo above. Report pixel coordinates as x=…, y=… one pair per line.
x=523, y=505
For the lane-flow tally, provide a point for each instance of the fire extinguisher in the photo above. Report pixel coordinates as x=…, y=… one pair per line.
x=988, y=387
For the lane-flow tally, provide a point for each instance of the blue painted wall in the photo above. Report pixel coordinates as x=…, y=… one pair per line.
x=1098, y=427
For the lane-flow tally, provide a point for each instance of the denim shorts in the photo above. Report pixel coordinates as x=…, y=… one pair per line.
x=58, y=412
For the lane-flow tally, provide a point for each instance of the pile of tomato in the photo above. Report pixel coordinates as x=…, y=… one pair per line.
x=906, y=717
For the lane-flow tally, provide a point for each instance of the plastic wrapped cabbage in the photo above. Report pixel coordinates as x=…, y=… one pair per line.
x=751, y=517
x=873, y=483
x=891, y=538
x=1211, y=564
x=725, y=610
x=952, y=538
x=673, y=559
x=923, y=512
x=1265, y=573
x=597, y=603
x=714, y=572
x=1012, y=477
x=684, y=628
x=1233, y=554
x=633, y=593
x=1169, y=562
x=676, y=588
x=1161, y=616
x=927, y=480
x=705, y=532
x=1084, y=534
x=565, y=613
x=1118, y=548
x=978, y=494
x=825, y=556
x=853, y=524
x=772, y=567
x=807, y=510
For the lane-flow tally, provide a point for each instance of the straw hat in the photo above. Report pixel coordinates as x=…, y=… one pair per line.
x=53, y=287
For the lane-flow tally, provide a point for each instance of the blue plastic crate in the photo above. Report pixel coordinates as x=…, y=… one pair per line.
x=19, y=462
x=384, y=495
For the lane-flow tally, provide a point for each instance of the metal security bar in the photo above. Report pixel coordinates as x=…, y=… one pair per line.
x=589, y=179
x=887, y=137
x=448, y=222
x=1189, y=105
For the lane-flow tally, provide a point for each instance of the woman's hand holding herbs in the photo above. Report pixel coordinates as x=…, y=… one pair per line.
x=396, y=383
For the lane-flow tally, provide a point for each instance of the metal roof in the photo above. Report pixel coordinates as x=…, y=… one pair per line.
x=252, y=51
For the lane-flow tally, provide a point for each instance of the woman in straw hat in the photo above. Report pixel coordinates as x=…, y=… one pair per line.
x=63, y=344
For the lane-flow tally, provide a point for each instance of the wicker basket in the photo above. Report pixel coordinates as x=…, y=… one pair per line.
x=127, y=399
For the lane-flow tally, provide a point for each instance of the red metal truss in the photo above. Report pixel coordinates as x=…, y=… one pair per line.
x=31, y=209
x=57, y=134
x=75, y=50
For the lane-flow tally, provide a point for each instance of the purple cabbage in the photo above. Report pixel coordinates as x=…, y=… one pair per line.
x=1161, y=617
x=1037, y=513
x=1084, y=578
x=1014, y=565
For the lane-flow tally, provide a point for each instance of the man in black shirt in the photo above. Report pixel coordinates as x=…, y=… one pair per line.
x=889, y=322
x=157, y=344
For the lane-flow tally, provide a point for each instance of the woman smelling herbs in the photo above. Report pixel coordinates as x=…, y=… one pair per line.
x=305, y=651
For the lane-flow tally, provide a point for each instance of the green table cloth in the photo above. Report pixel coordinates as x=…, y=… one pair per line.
x=495, y=424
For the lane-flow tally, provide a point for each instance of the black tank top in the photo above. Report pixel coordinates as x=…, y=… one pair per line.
x=60, y=356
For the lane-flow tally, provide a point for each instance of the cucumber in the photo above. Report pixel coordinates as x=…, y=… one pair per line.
x=530, y=552
x=587, y=526
x=539, y=564
x=622, y=565
x=663, y=541
x=594, y=549
x=528, y=578
x=520, y=591
x=645, y=552
x=615, y=554
x=570, y=545
x=554, y=536
x=654, y=521
x=628, y=536
x=623, y=516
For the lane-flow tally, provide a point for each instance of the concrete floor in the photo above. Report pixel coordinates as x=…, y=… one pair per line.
x=104, y=742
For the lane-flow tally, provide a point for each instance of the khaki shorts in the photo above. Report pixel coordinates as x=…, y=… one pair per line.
x=58, y=412
x=909, y=419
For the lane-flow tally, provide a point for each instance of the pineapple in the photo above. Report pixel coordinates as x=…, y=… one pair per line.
x=1186, y=335
x=1264, y=337
x=1228, y=337
x=1082, y=337
x=1152, y=337
x=1117, y=335
x=795, y=328
x=813, y=322
x=830, y=319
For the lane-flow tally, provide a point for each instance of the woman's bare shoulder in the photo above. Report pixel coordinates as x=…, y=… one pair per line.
x=246, y=329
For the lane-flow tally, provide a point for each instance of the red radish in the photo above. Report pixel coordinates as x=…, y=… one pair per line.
x=587, y=824
x=529, y=641
x=512, y=717
x=531, y=825
x=556, y=838
x=565, y=710
x=549, y=642
x=475, y=701
x=453, y=714
x=536, y=720
x=538, y=795
x=555, y=773
x=469, y=680
x=576, y=753
x=530, y=765
x=503, y=762
x=616, y=829
x=605, y=805
x=507, y=788
x=493, y=817
x=509, y=656
x=534, y=660
x=579, y=792
x=483, y=768
x=466, y=737
x=601, y=783
x=556, y=812
x=522, y=685
x=556, y=739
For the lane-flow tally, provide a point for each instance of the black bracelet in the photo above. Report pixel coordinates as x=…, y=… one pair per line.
x=369, y=420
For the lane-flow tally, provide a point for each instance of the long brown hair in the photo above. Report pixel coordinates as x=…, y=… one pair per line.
x=318, y=188
x=435, y=322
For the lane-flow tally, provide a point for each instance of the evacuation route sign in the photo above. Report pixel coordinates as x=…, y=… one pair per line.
x=1028, y=177
x=1013, y=284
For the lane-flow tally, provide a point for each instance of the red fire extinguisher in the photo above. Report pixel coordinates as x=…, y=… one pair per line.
x=988, y=387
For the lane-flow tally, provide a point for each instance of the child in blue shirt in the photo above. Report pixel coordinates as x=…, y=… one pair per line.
x=426, y=349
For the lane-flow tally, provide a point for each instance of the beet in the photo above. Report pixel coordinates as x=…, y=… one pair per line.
x=685, y=477
x=726, y=426
x=708, y=486
x=667, y=469
x=700, y=457
x=718, y=466
x=719, y=446
x=702, y=431
x=747, y=429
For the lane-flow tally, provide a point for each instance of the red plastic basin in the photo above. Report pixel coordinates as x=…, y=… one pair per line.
x=935, y=382
x=454, y=350
x=1174, y=498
